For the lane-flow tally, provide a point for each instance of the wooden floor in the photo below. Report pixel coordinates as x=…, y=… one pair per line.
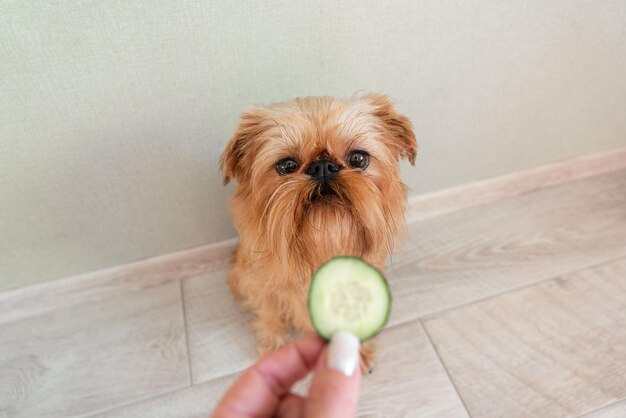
x=511, y=306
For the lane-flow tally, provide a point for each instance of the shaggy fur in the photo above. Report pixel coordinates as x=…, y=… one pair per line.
x=287, y=228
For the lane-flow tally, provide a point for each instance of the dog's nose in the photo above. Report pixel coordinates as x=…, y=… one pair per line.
x=323, y=170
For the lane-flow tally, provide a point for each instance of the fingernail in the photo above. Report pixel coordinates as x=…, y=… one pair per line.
x=343, y=353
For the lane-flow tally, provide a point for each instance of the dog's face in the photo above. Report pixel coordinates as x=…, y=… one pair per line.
x=318, y=177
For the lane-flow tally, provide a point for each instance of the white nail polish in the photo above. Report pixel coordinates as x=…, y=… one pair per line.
x=343, y=352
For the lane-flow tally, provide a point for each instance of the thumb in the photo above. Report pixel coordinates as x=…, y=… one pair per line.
x=334, y=391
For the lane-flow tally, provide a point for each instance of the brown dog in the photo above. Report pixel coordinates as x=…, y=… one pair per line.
x=317, y=177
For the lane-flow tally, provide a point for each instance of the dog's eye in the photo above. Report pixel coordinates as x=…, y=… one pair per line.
x=286, y=166
x=359, y=159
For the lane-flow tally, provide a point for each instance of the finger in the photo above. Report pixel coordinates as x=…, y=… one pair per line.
x=257, y=392
x=334, y=390
x=291, y=406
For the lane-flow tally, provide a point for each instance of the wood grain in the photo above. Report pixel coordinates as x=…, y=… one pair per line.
x=220, y=340
x=551, y=350
x=485, y=250
x=616, y=410
x=87, y=356
x=427, y=205
x=407, y=382
x=193, y=402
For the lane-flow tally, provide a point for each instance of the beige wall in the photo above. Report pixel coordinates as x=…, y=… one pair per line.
x=113, y=114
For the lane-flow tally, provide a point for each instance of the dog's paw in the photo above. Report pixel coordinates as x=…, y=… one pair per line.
x=268, y=343
x=368, y=354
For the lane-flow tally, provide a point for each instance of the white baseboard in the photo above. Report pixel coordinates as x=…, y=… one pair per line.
x=437, y=203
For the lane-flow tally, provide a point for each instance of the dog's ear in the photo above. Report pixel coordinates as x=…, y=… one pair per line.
x=397, y=125
x=234, y=163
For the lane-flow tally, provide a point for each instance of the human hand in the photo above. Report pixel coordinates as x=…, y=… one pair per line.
x=263, y=391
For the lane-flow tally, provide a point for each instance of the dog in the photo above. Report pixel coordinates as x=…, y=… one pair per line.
x=317, y=177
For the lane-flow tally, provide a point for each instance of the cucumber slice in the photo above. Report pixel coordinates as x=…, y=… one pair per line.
x=348, y=294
